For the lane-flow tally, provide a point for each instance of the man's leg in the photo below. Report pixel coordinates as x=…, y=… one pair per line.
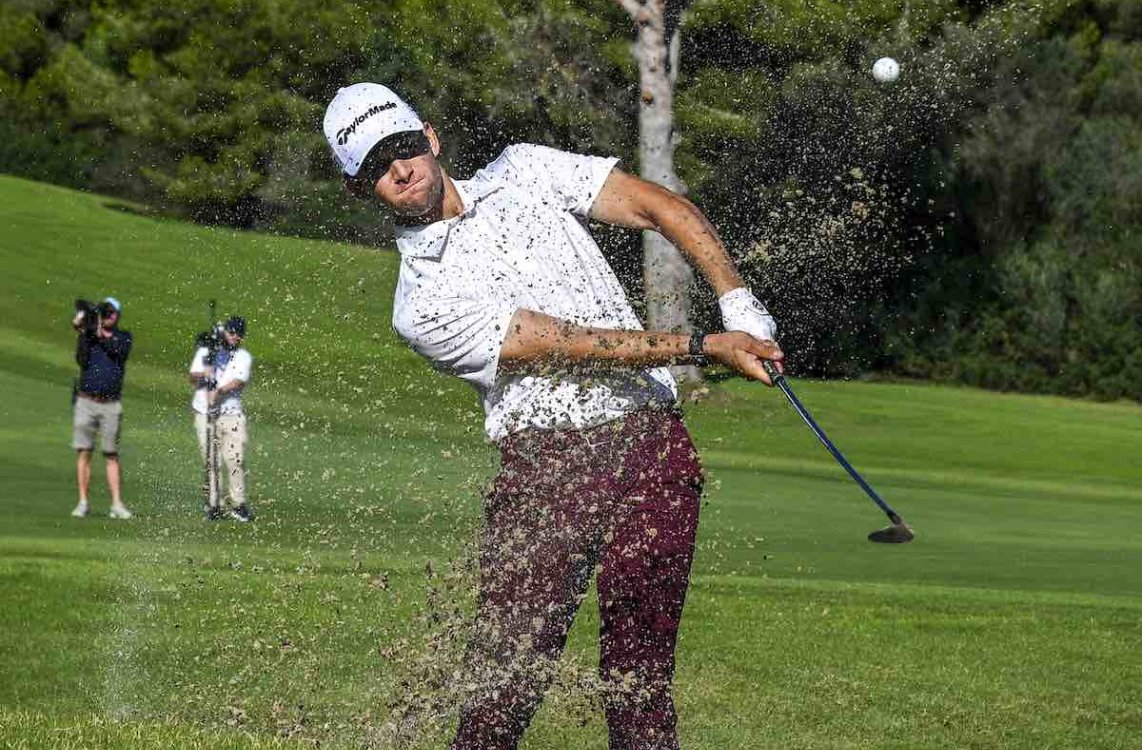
x=538, y=550
x=83, y=428
x=114, y=481
x=200, y=433
x=642, y=588
x=112, y=419
x=232, y=440
x=83, y=480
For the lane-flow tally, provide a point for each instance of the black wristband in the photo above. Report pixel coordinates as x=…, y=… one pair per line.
x=696, y=355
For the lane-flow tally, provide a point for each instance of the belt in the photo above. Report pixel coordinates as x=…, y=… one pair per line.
x=596, y=436
x=97, y=399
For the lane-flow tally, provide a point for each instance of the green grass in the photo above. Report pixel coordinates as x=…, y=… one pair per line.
x=1013, y=621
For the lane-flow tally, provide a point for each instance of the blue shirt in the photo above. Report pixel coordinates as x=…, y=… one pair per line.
x=103, y=363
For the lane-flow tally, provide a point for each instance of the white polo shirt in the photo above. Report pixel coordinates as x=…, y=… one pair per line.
x=230, y=366
x=521, y=242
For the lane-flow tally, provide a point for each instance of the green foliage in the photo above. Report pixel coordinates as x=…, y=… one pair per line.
x=22, y=43
x=491, y=74
x=213, y=108
x=197, y=98
x=1050, y=203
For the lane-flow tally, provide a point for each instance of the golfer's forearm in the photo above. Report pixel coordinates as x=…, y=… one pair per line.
x=680, y=221
x=537, y=339
x=629, y=201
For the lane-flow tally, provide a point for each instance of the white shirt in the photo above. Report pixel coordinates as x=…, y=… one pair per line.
x=236, y=364
x=521, y=242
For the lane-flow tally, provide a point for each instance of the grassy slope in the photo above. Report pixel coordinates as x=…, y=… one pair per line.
x=1012, y=622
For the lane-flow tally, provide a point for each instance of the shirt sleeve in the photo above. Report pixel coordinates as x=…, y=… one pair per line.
x=575, y=179
x=458, y=335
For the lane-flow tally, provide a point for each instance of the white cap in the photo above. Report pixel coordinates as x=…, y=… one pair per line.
x=359, y=117
x=114, y=304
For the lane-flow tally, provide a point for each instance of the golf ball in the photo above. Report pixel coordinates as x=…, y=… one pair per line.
x=885, y=70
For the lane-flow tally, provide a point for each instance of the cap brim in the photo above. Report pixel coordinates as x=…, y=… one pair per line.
x=359, y=161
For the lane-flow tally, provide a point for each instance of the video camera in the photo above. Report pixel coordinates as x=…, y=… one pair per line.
x=212, y=340
x=89, y=315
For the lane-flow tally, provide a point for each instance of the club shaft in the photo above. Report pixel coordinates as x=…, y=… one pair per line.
x=781, y=383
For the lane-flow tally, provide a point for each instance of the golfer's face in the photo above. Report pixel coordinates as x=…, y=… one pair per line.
x=412, y=186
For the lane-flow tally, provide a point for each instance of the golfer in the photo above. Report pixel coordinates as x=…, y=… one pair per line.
x=502, y=285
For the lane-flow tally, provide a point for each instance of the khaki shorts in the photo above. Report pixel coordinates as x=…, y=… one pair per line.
x=95, y=416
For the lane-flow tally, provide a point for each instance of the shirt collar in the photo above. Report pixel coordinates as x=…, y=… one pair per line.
x=428, y=241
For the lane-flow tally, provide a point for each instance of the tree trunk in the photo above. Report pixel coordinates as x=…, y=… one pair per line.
x=667, y=276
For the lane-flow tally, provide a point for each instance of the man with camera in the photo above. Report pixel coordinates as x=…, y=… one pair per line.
x=220, y=371
x=101, y=351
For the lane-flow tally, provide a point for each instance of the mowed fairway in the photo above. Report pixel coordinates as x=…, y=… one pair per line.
x=1013, y=621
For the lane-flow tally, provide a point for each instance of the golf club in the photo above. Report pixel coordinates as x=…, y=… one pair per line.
x=898, y=532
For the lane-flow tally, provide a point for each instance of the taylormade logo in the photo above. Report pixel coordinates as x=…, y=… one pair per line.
x=344, y=133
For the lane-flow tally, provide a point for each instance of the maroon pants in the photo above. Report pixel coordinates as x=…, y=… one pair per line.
x=622, y=499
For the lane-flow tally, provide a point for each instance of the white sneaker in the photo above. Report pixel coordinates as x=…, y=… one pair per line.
x=81, y=510
x=120, y=512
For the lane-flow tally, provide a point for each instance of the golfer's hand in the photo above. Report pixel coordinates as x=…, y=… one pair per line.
x=741, y=311
x=743, y=353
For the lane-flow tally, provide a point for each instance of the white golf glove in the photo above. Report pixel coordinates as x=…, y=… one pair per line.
x=741, y=311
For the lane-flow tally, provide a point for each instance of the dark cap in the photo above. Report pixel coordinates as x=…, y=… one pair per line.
x=236, y=324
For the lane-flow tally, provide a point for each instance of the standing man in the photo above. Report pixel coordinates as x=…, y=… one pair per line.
x=101, y=351
x=502, y=285
x=220, y=371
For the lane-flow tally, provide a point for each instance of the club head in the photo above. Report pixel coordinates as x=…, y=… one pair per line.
x=897, y=533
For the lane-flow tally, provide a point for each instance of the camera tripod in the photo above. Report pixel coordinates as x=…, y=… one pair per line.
x=212, y=485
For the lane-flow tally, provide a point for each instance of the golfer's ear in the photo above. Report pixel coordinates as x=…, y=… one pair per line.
x=433, y=139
